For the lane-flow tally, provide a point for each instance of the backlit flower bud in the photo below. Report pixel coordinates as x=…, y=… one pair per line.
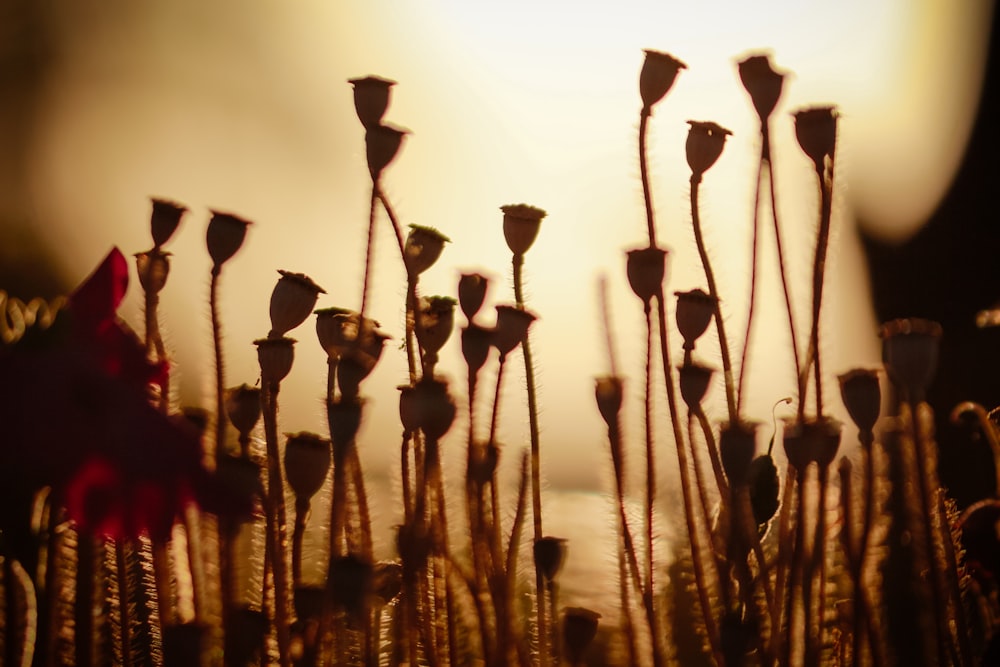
x=243, y=407
x=434, y=406
x=371, y=99
x=862, y=396
x=764, y=489
x=814, y=440
x=307, y=460
x=762, y=82
x=387, y=581
x=436, y=319
x=511, y=329
x=275, y=356
x=659, y=70
x=476, y=342
x=165, y=219
x=694, y=382
x=705, y=142
x=646, y=269
x=694, y=314
x=737, y=446
x=471, y=293
x=520, y=226
x=910, y=354
x=153, y=267
x=483, y=462
x=344, y=417
x=382, y=142
x=816, y=132
x=579, y=630
x=337, y=329
x=224, y=237
x=423, y=247
x=350, y=583
x=609, y=391
x=549, y=555
x=292, y=301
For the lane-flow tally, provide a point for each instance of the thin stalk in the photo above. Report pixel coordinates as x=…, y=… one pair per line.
x=713, y=454
x=647, y=194
x=361, y=498
x=727, y=364
x=819, y=266
x=298, y=534
x=220, y=400
x=86, y=571
x=510, y=566
x=650, y=498
x=276, y=521
x=369, y=250
x=124, y=587
x=817, y=628
x=624, y=605
x=753, y=275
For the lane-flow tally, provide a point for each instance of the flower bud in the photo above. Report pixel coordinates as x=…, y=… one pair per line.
x=579, y=630
x=307, y=460
x=387, y=581
x=165, y=219
x=434, y=407
x=609, y=391
x=737, y=445
x=910, y=354
x=764, y=489
x=224, y=237
x=511, y=329
x=762, y=82
x=815, y=440
x=344, y=417
x=423, y=247
x=476, y=342
x=153, y=268
x=816, y=132
x=436, y=319
x=549, y=555
x=471, y=293
x=371, y=99
x=694, y=380
x=521, y=223
x=646, y=269
x=659, y=70
x=862, y=396
x=275, y=356
x=350, y=583
x=292, y=302
x=243, y=407
x=705, y=142
x=337, y=329
x=694, y=314
x=382, y=142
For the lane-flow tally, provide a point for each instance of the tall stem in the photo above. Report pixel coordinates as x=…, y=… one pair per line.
x=220, y=400
x=819, y=266
x=753, y=275
x=647, y=194
x=648, y=593
x=276, y=520
x=369, y=249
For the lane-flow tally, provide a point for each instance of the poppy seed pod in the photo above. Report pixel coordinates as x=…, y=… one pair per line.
x=336, y=329
x=762, y=82
x=350, y=583
x=646, y=269
x=164, y=220
x=579, y=630
x=344, y=417
x=549, y=555
x=153, y=267
x=862, y=396
x=236, y=484
x=705, y=142
x=434, y=407
x=224, y=237
x=387, y=581
x=292, y=301
x=694, y=313
x=275, y=356
x=476, y=342
x=483, y=462
x=382, y=142
x=816, y=132
x=409, y=410
x=423, y=247
x=243, y=407
x=307, y=460
x=737, y=446
x=609, y=391
x=511, y=329
x=814, y=440
x=371, y=99
x=764, y=489
x=471, y=293
x=910, y=354
x=436, y=319
x=521, y=223
x=657, y=76
x=694, y=381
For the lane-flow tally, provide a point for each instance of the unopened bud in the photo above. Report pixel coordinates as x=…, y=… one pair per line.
x=344, y=417
x=476, y=342
x=659, y=70
x=609, y=392
x=435, y=407
x=549, y=555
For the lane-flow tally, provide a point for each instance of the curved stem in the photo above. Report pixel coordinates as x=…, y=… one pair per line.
x=647, y=194
x=369, y=250
x=753, y=275
x=819, y=266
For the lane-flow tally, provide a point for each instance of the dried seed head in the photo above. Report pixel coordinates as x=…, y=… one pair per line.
x=910, y=354
x=659, y=71
x=337, y=329
x=371, y=99
x=646, y=269
x=813, y=440
x=762, y=82
x=382, y=142
x=422, y=249
x=436, y=319
x=609, y=391
x=579, y=630
x=224, y=237
x=476, y=342
x=549, y=555
x=694, y=381
x=816, y=132
x=409, y=412
x=153, y=268
x=275, y=356
x=292, y=302
x=243, y=407
x=694, y=314
x=471, y=293
x=165, y=219
x=520, y=226
x=344, y=417
x=350, y=583
x=511, y=329
x=705, y=142
x=307, y=460
x=737, y=446
x=862, y=396
x=434, y=407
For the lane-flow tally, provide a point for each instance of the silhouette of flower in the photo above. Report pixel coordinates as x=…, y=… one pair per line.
x=659, y=70
x=816, y=132
x=164, y=220
x=762, y=82
x=705, y=142
x=521, y=223
x=371, y=99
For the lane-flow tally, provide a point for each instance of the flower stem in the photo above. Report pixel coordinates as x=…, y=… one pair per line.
x=276, y=520
x=369, y=250
x=819, y=265
x=220, y=384
x=647, y=194
x=753, y=276
x=650, y=499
